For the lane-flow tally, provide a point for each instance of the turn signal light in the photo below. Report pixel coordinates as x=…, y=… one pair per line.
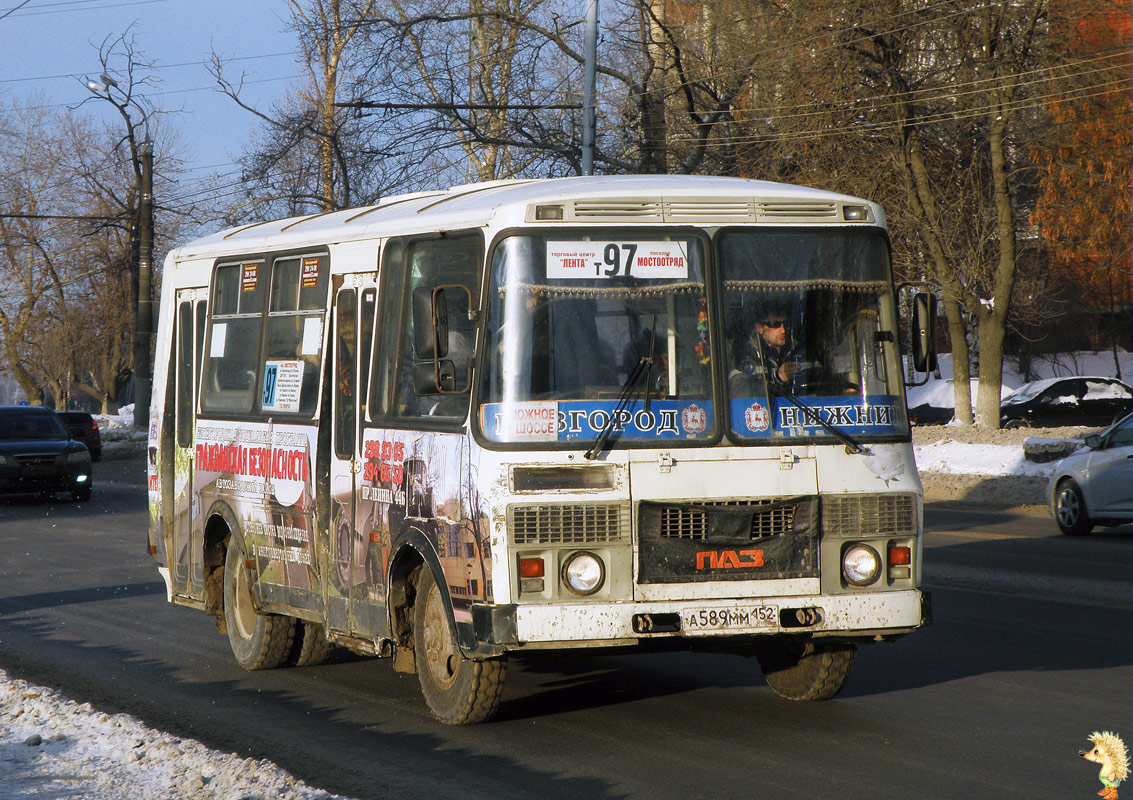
x=899, y=554
x=531, y=567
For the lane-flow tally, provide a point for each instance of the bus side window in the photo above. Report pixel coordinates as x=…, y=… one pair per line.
x=184, y=375
x=345, y=344
x=450, y=262
x=233, y=349
x=392, y=281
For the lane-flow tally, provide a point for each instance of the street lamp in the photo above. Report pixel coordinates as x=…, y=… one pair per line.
x=141, y=235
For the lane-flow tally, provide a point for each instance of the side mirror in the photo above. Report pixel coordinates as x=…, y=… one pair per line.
x=924, y=332
x=1093, y=441
x=430, y=322
x=434, y=377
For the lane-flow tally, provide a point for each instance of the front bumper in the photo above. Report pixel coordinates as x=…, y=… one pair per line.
x=53, y=478
x=604, y=624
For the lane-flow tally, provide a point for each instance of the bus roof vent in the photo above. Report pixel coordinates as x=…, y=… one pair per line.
x=796, y=211
x=642, y=210
x=710, y=209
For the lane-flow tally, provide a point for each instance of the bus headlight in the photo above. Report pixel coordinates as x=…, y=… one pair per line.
x=583, y=573
x=860, y=565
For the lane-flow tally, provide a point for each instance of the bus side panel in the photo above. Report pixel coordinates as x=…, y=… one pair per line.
x=265, y=473
x=421, y=481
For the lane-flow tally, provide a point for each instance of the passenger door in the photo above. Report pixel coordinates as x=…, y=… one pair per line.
x=353, y=573
x=186, y=550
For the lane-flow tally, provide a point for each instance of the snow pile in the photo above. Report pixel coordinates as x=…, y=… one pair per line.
x=965, y=458
x=120, y=439
x=53, y=747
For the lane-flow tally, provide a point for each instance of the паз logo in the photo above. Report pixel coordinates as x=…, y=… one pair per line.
x=693, y=419
x=1110, y=752
x=729, y=559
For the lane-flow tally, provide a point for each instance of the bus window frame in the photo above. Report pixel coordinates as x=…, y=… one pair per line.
x=718, y=235
x=268, y=259
x=388, y=418
x=707, y=240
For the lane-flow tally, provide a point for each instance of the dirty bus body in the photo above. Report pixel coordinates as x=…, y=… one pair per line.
x=541, y=414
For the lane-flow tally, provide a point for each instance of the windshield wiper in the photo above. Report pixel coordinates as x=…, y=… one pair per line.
x=852, y=445
x=644, y=366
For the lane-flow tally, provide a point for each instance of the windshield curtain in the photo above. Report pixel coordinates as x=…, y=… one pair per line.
x=809, y=321
x=570, y=317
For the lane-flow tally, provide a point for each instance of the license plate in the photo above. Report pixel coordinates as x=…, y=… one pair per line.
x=735, y=618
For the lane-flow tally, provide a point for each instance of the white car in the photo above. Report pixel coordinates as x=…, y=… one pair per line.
x=1095, y=485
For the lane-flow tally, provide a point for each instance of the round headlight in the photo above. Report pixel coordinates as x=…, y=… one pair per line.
x=584, y=573
x=861, y=565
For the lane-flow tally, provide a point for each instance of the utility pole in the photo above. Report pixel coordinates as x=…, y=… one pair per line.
x=589, y=88
x=143, y=330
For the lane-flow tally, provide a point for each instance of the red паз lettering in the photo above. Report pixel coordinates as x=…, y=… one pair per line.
x=729, y=559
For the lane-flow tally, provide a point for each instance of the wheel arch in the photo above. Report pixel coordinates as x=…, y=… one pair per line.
x=414, y=552
x=221, y=525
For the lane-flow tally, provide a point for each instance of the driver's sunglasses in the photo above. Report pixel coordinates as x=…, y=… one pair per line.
x=774, y=323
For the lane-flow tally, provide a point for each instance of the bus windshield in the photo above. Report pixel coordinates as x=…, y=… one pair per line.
x=810, y=333
x=571, y=316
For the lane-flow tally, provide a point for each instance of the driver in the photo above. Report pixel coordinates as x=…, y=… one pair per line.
x=768, y=351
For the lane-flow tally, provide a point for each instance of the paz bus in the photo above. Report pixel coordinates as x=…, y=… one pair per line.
x=537, y=415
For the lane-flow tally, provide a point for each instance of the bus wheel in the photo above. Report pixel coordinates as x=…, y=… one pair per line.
x=458, y=690
x=311, y=647
x=805, y=670
x=259, y=641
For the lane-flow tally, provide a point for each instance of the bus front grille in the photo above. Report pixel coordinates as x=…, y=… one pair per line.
x=768, y=518
x=568, y=524
x=854, y=515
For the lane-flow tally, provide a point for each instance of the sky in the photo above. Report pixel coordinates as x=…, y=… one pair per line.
x=48, y=45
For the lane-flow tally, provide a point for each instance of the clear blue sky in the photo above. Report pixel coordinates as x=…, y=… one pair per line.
x=46, y=43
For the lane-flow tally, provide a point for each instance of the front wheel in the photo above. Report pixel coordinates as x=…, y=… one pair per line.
x=805, y=670
x=259, y=641
x=458, y=690
x=1070, y=509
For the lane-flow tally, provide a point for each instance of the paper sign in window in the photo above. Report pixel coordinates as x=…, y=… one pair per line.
x=312, y=336
x=612, y=259
x=219, y=334
x=310, y=274
x=283, y=382
x=249, y=276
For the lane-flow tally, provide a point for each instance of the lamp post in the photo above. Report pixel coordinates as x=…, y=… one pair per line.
x=141, y=243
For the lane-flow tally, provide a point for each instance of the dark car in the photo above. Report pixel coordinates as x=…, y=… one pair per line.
x=1061, y=402
x=37, y=454
x=84, y=429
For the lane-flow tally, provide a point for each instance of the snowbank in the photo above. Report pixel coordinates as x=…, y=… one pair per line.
x=53, y=747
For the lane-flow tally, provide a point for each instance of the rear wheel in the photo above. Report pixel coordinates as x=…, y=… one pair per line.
x=1013, y=424
x=1070, y=509
x=311, y=646
x=458, y=690
x=259, y=641
x=805, y=670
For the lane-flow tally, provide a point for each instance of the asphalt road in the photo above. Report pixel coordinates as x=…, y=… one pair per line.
x=1029, y=653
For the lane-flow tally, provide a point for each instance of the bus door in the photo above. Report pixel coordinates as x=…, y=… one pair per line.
x=187, y=549
x=354, y=594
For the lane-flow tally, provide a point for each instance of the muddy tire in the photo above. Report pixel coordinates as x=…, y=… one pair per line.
x=1070, y=509
x=458, y=690
x=259, y=641
x=805, y=670
x=311, y=647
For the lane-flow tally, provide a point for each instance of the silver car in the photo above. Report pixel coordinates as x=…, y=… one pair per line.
x=1095, y=485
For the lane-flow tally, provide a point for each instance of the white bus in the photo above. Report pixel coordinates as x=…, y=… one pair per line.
x=652, y=411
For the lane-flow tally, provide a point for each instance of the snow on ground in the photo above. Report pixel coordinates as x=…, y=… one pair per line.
x=52, y=747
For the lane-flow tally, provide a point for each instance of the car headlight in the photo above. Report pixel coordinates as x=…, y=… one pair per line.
x=860, y=565
x=7, y=461
x=583, y=573
x=81, y=457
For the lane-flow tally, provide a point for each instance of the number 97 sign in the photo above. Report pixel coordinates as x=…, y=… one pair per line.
x=603, y=260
